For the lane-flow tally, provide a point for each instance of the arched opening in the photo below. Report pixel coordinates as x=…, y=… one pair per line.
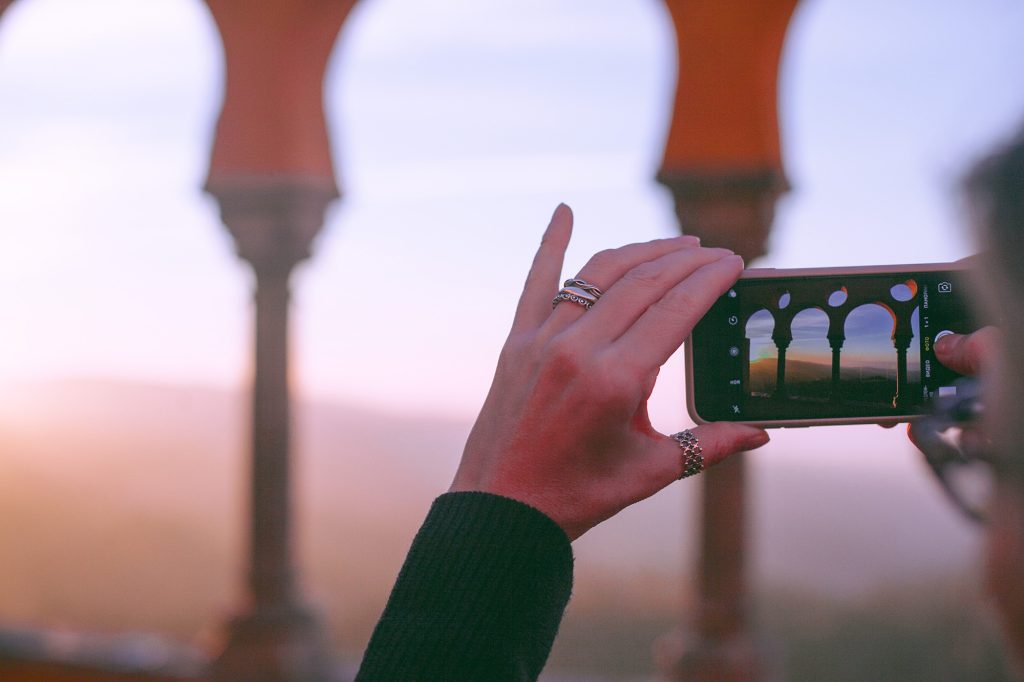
x=107, y=114
x=809, y=358
x=870, y=367
x=762, y=354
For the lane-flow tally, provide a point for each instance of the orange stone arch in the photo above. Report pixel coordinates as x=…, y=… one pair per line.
x=723, y=159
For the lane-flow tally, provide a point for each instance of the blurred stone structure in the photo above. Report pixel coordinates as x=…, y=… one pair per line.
x=723, y=166
x=271, y=172
x=272, y=175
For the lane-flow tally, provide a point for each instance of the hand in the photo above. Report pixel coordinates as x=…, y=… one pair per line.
x=564, y=427
x=968, y=354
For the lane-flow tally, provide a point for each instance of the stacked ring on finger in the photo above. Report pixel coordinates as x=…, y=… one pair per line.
x=585, y=285
x=693, y=459
x=579, y=292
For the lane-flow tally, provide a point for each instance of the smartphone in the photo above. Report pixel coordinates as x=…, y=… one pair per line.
x=826, y=346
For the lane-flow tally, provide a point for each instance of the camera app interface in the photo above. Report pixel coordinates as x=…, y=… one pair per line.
x=820, y=347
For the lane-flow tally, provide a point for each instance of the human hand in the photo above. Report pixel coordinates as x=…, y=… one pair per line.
x=968, y=354
x=565, y=427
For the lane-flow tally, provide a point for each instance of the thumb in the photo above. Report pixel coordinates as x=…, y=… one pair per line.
x=966, y=353
x=721, y=439
x=716, y=442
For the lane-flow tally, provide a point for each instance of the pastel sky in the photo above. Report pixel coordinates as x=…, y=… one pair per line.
x=457, y=127
x=868, y=330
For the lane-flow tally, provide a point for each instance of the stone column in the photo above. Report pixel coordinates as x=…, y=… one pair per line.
x=836, y=343
x=714, y=643
x=745, y=371
x=276, y=637
x=272, y=172
x=723, y=166
x=782, y=341
x=902, y=344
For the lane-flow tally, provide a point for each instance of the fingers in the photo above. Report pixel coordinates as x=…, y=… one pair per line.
x=717, y=441
x=542, y=281
x=639, y=288
x=967, y=353
x=668, y=322
x=721, y=439
x=604, y=269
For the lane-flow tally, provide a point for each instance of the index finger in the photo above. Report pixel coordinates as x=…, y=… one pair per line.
x=667, y=323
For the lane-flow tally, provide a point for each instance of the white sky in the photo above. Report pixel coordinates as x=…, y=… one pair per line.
x=457, y=127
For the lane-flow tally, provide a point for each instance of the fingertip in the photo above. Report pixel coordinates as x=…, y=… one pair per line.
x=946, y=345
x=560, y=226
x=722, y=439
x=756, y=439
x=562, y=212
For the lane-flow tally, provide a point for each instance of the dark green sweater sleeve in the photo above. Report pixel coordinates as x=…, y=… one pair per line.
x=480, y=596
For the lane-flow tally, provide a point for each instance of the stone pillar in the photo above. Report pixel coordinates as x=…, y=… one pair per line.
x=782, y=341
x=836, y=343
x=733, y=210
x=272, y=173
x=723, y=166
x=902, y=343
x=276, y=637
x=745, y=371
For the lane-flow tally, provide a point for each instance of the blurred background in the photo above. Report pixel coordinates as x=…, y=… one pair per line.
x=455, y=127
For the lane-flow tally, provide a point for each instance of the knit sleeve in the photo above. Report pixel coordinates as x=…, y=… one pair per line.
x=480, y=596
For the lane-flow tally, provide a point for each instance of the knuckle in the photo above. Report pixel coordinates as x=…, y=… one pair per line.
x=678, y=301
x=647, y=274
x=600, y=261
x=562, y=358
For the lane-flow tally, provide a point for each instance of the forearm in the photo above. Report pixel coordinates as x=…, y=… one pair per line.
x=480, y=596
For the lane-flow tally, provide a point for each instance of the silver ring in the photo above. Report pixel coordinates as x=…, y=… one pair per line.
x=581, y=298
x=693, y=460
x=583, y=284
x=579, y=291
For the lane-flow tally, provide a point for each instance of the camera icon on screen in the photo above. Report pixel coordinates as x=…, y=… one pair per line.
x=945, y=287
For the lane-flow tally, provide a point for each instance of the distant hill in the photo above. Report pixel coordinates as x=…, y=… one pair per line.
x=122, y=508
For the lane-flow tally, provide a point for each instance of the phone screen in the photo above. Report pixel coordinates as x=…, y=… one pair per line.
x=826, y=346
